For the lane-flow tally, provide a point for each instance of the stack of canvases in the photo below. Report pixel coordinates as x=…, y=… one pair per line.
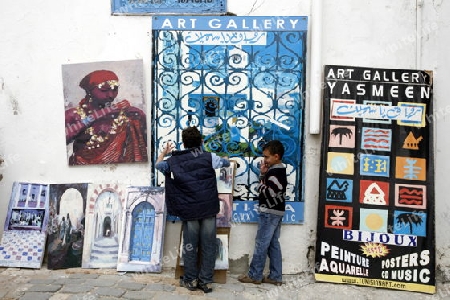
x=84, y=225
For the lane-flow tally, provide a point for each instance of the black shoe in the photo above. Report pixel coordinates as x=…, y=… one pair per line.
x=271, y=281
x=190, y=285
x=205, y=287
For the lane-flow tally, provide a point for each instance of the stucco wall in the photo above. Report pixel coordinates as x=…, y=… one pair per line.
x=38, y=37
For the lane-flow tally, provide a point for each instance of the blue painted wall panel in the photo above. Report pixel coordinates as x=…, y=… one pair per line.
x=168, y=6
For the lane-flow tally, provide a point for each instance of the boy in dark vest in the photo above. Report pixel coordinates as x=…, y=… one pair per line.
x=272, y=190
x=191, y=195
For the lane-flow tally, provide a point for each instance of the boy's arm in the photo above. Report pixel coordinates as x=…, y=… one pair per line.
x=270, y=186
x=219, y=162
x=161, y=165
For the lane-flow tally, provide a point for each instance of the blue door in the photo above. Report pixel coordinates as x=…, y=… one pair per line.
x=142, y=228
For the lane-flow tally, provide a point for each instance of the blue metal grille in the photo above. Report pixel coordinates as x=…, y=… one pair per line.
x=239, y=96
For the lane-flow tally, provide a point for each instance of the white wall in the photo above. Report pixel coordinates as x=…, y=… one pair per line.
x=37, y=37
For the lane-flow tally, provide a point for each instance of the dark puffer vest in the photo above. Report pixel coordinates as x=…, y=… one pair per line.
x=191, y=187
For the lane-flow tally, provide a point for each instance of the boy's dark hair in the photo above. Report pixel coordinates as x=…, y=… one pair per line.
x=191, y=137
x=274, y=147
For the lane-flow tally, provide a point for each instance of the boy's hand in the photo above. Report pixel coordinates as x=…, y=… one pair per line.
x=263, y=168
x=168, y=148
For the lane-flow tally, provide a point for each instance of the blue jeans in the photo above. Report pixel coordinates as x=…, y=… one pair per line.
x=199, y=235
x=267, y=245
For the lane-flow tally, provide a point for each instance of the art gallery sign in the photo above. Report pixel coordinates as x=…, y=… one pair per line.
x=376, y=202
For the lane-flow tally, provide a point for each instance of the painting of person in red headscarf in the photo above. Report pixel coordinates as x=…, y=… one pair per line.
x=103, y=127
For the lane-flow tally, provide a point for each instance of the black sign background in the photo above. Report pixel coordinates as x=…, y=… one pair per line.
x=376, y=202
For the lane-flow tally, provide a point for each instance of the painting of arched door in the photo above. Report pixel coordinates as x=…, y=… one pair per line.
x=141, y=235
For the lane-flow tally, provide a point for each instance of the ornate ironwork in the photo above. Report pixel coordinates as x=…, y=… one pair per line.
x=239, y=96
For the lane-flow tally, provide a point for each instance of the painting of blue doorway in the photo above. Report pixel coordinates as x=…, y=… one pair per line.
x=143, y=223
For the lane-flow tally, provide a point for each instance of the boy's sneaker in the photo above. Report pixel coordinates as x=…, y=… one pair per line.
x=205, y=287
x=190, y=285
x=266, y=279
x=247, y=279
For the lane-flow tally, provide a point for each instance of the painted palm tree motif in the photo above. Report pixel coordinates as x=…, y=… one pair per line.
x=341, y=131
x=409, y=219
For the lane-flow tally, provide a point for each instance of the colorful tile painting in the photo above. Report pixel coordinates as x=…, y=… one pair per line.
x=339, y=189
x=25, y=230
x=338, y=103
x=411, y=195
x=411, y=168
x=340, y=163
x=342, y=136
x=373, y=103
x=376, y=139
x=374, y=165
x=374, y=192
x=414, y=109
x=338, y=217
x=373, y=220
x=410, y=222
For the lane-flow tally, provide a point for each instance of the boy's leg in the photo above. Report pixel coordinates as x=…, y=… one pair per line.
x=275, y=265
x=191, y=231
x=266, y=229
x=208, y=249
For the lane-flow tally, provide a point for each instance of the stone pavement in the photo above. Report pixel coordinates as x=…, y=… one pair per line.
x=93, y=284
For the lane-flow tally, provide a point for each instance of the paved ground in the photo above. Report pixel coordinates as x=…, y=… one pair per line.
x=88, y=284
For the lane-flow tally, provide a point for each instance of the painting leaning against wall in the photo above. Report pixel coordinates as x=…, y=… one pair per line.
x=66, y=225
x=103, y=215
x=241, y=81
x=142, y=234
x=25, y=231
